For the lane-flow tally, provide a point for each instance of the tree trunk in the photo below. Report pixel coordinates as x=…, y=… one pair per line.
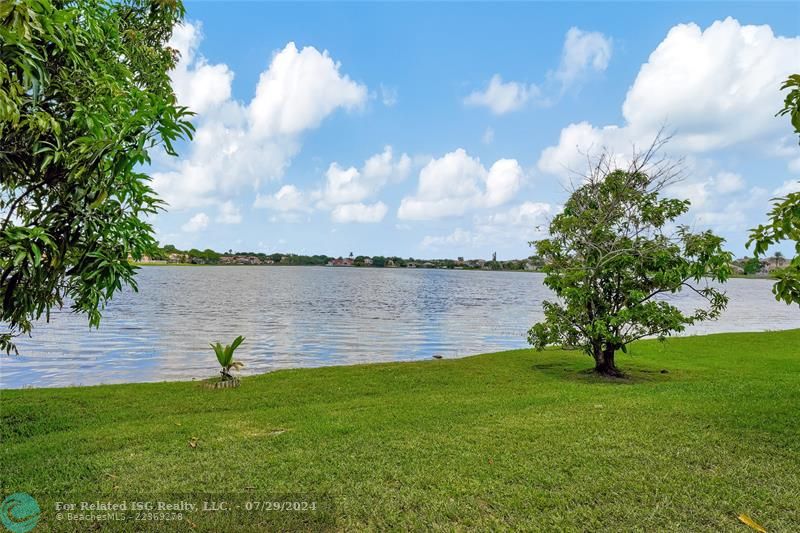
x=604, y=361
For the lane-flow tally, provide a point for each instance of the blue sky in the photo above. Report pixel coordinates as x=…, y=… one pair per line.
x=449, y=129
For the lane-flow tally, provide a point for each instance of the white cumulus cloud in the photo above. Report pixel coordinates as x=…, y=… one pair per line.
x=456, y=182
x=350, y=185
x=345, y=189
x=712, y=189
x=527, y=214
x=458, y=238
x=503, y=97
x=518, y=224
x=197, y=223
x=715, y=88
x=583, y=51
x=197, y=84
x=300, y=88
x=288, y=198
x=359, y=212
x=245, y=143
x=728, y=182
x=229, y=213
x=787, y=187
x=344, y=185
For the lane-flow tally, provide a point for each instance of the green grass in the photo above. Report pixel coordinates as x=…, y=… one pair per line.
x=514, y=440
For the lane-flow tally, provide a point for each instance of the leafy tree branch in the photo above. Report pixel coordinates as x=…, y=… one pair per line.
x=85, y=96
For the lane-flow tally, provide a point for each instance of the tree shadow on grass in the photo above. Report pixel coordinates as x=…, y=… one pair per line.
x=583, y=373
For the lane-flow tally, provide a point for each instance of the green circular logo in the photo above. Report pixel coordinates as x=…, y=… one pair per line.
x=19, y=512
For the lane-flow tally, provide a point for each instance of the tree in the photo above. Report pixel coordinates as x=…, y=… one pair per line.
x=752, y=266
x=157, y=253
x=610, y=255
x=211, y=255
x=85, y=95
x=784, y=218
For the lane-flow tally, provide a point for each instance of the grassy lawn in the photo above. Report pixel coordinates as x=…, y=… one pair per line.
x=512, y=440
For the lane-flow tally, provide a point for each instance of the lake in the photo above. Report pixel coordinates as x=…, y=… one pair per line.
x=312, y=316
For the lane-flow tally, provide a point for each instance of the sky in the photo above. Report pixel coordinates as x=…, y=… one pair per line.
x=456, y=129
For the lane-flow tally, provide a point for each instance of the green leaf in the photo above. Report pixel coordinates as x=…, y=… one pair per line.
x=237, y=342
x=37, y=254
x=21, y=255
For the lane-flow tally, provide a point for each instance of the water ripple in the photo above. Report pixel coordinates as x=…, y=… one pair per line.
x=304, y=316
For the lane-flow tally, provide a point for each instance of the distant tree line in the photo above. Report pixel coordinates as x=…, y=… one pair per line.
x=171, y=253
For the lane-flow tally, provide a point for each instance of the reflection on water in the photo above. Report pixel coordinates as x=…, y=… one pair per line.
x=307, y=316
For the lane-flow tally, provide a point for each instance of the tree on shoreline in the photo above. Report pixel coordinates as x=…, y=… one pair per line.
x=85, y=94
x=778, y=256
x=614, y=250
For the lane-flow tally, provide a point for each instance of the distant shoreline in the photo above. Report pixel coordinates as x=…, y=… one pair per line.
x=154, y=264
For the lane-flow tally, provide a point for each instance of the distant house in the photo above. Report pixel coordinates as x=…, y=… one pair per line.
x=775, y=263
x=239, y=260
x=147, y=259
x=177, y=258
x=346, y=262
x=411, y=265
x=368, y=261
x=390, y=263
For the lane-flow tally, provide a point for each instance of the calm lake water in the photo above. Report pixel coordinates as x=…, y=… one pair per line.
x=311, y=316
